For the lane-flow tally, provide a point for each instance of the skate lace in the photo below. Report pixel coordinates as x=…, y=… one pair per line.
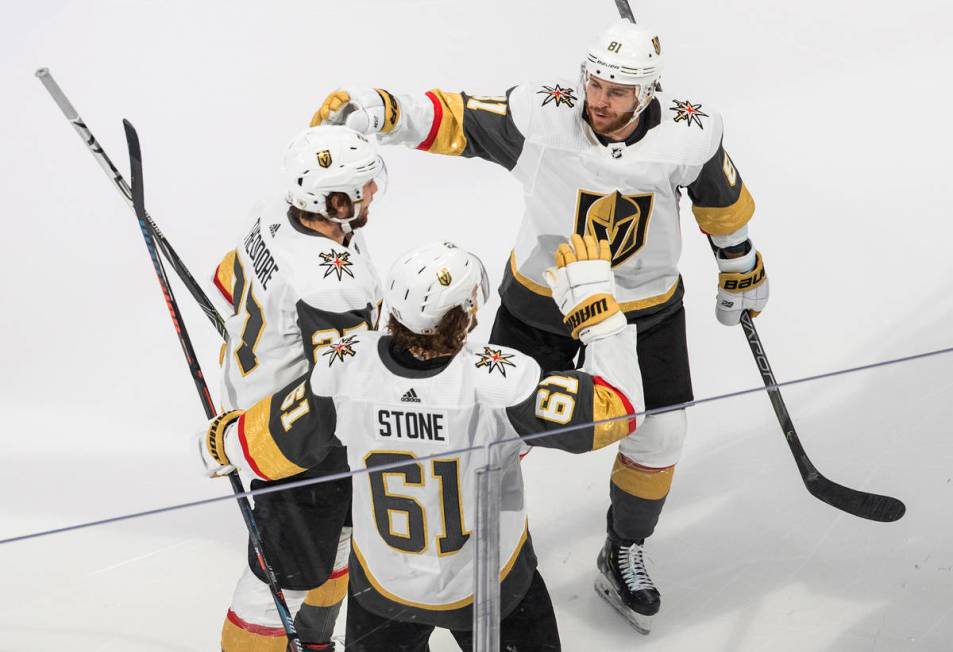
x=632, y=567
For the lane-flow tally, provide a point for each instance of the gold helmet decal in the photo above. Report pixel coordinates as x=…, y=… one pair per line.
x=324, y=158
x=623, y=220
x=657, y=45
x=443, y=277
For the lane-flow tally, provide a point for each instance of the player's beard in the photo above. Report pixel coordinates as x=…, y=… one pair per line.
x=610, y=128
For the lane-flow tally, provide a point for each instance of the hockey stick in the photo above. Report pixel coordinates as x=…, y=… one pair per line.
x=625, y=11
x=116, y=177
x=859, y=503
x=137, y=195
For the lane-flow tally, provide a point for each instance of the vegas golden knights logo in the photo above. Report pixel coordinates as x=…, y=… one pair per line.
x=324, y=158
x=443, y=277
x=623, y=220
x=657, y=45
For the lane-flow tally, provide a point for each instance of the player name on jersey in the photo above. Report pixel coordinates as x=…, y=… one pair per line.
x=411, y=425
x=262, y=260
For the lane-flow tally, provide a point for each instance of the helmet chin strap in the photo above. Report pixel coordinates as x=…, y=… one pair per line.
x=345, y=222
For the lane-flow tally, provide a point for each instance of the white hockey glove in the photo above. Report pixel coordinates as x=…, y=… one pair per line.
x=583, y=286
x=366, y=110
x=211, y=442
x=742, y=285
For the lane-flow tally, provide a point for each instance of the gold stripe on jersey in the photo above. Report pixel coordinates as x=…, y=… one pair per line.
x=642, y=481
x=650, y=302
x=224, y=278
x=608, y=404
x=260, y=448
x=527, y=282
x=328, y=594
x=437, y=607
x=391, y=110
x=727, y=219
x=449, y=137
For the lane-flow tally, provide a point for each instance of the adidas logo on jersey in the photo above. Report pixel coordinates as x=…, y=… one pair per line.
x=274, y=229
x=410, y=397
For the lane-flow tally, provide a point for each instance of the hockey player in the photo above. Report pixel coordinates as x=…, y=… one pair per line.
x=300, y=279
x=610, y=156
x=416, y=400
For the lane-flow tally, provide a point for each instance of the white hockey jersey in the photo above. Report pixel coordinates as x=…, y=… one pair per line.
x=574, y=182
x=292, y=292
x=412, y=543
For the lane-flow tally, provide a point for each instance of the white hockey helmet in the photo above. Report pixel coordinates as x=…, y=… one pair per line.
x=426, y=283
x=628, y=54
x=327, y=159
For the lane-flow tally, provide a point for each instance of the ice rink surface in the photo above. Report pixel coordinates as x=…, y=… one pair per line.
x=836, y=116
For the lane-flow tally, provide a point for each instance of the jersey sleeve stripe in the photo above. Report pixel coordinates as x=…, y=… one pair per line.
x=446, y=133
x=224, y=277
x=609, y=402
x=259, y=448
x=727, y=219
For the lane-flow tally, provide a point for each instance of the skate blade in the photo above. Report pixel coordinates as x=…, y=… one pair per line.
x=642, y=624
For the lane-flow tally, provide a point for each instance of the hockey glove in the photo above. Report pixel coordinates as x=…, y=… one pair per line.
x=583, y=286
x=368, y=111
x=742, y=285
x=212, y=444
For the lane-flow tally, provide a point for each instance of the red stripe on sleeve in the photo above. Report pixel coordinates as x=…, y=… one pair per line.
x=260, y=630
x=599, y=380
x=244, y=443
x=221, y=288
x=435, y=126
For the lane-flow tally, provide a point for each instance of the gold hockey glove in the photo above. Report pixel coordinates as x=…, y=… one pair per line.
x=368, y=111
x=212, y=444
x=742, y=285
x=583, y=287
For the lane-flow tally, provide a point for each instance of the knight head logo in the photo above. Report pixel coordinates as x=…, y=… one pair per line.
x=443, y=277
x=324, y=158
x=623, y=220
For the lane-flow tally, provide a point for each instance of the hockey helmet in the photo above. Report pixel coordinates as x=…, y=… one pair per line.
x=327, y=159
x=628, y=54
x=426, y=283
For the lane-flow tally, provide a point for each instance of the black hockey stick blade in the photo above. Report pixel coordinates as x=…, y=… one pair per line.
x=625, y=11
x=135, y=163
x=873, y=507
x=862, y=504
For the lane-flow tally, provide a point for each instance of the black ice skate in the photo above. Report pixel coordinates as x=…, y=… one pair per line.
x=625, y=584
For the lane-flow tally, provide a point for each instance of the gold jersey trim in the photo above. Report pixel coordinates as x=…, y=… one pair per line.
x=627, y=306
x=259, y=446
x=459, y=604
x=607, y=404
x=447, y=135
x=726, y=219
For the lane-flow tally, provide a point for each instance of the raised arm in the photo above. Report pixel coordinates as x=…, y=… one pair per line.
x=609, y=385
x=440, y=122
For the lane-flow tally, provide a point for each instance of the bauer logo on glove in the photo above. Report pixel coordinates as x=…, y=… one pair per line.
x=742, y=285
x=583, y=288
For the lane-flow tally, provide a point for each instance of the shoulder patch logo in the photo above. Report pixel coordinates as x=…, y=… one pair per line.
x=494, y=359
x=274, y=229
x=336, y=263
x=559, y=95
x=341, y=349
x=688, y=112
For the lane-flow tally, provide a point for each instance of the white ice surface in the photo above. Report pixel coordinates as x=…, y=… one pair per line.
x=836, y=116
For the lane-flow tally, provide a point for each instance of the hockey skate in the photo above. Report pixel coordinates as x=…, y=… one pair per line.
x=625, y=584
